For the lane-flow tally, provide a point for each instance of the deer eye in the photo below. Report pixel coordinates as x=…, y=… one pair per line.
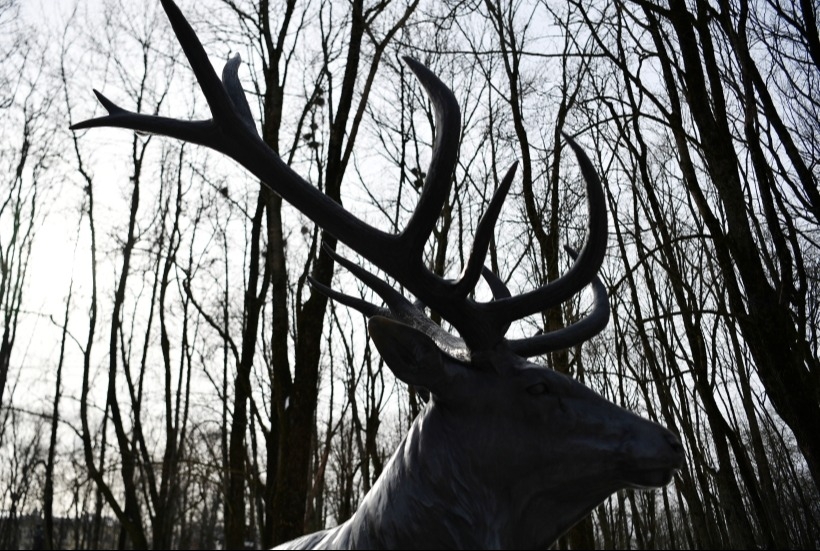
x=538, y=389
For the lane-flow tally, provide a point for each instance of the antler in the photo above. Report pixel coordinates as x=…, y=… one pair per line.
x=232, y=131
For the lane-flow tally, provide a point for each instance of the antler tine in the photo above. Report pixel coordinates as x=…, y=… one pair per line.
x=583, y=269
x=483, y=236
x=230, y=78
x=444, y=157
x=394, y=299
x=356, y=303
x=498, y=288
x=212, y=88
x=580, y=331
x=198, y=132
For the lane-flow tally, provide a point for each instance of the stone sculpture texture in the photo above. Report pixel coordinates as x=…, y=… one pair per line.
x=506, y=453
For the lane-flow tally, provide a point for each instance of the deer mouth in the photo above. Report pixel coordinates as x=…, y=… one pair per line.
x=658, y=472
x=651, y=478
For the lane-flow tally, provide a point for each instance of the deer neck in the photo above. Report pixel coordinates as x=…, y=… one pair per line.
x=432, y=495
x=427, y=497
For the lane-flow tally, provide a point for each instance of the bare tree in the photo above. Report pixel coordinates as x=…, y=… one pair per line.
x=223, y=402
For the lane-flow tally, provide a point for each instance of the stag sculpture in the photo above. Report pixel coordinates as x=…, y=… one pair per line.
x=506, y=453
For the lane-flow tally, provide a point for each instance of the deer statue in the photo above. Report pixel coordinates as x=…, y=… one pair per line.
x=506, y=453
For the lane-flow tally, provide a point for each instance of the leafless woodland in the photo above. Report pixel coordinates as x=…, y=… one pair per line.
x=169, y=380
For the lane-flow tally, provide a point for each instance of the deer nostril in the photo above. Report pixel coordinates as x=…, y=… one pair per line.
x=674, y=443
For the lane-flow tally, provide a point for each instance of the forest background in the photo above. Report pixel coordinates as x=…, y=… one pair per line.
x=169, y=380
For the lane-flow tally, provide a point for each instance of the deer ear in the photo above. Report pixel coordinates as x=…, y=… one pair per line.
x=410, y=354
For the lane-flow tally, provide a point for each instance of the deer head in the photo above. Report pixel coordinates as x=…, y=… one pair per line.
x=507, y=452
